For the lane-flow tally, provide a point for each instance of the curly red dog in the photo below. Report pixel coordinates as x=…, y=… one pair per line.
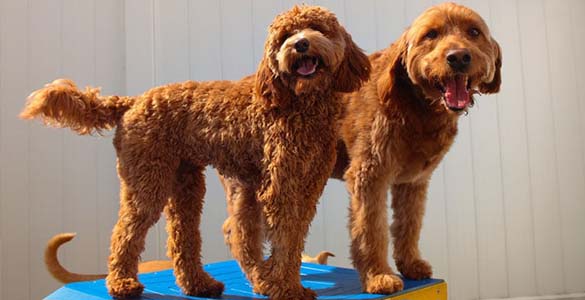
x=272, y=134
x=398, y=128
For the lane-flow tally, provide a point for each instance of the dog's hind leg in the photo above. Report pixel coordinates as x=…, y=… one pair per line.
x=183, y=213
x=408, y=204
x=243, y=229
x=143, y=194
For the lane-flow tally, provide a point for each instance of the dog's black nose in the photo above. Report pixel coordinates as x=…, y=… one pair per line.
x=302, y=45
x=459, y=59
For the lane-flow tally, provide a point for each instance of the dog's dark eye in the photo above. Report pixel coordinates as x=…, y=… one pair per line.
x=474, y=32
x=432, y=34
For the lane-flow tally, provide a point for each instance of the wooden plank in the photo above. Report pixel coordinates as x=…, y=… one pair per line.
x=141, y=76
x=46, y=190
x=487, y=183
x=206, y=64
x=390, y=21
x=541, y=147
x=578, y=229
x=337, y=7
x=569, y=148
x=461, y=219
x=205, y=61
x=236, y=51
x=288, y=4
x=360, y=22
x=171, y=41
x=79, y=152
x=14, y=144
x=263, y=12
x=515, y=165
x=110, y=74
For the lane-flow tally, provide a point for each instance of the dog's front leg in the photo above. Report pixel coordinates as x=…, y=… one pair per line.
x=408, y=204
x=368, y=225
x=288, y=194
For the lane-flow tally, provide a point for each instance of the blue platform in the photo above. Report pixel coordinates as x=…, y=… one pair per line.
x=329, y=282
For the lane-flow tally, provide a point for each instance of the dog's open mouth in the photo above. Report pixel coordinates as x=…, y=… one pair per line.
x=306, y=65
x=456, y=92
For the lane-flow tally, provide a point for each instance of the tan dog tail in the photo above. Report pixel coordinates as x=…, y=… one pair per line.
x=321, y=258
x=54, y=266
x=60, y=103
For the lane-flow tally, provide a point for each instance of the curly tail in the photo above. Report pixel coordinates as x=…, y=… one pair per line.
x=62, y=104
x=321, y=258
x=54, y=266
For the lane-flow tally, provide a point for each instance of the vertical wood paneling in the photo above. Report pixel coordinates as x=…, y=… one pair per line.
x=263, y=12
x=542, y=152
x=360, y=22
x=206, y=64
x=237, y=48
x=46, y=194
x=487, y=176
x=109, y=74
x=205, y=45
x=561, y=58
x=14, y=143
x=514, y=153
x=390, y=17
x=577, y=211
x=79, y=152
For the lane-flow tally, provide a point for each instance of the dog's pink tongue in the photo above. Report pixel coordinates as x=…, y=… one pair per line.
x=307, y=67
x=456, y=93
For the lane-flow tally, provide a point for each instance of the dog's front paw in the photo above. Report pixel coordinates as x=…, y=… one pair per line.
x=383, y=284
x=417, y=269
x=122, y=288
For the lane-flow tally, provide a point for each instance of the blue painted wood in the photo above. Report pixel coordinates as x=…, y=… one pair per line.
x=331, y=283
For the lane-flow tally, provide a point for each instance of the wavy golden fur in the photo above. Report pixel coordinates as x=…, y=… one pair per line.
x=398, y=128
x=272, y=136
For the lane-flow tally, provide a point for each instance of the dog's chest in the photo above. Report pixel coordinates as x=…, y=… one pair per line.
x=417, y=150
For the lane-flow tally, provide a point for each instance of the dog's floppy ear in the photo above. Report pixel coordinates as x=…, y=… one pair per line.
x=354, y=69
x=268, y=87
x=393, y=71
x=494, y=85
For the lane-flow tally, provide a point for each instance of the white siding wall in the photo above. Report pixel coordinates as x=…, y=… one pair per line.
x=506, y=210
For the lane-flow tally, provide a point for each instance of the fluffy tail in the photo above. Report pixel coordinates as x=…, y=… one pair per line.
x=62, y=104
x=54, y=266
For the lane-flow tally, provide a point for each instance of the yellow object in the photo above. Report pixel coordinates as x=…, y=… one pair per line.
x=436, y=291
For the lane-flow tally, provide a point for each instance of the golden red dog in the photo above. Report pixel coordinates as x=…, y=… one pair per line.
x=398, y=128
x=272, y=136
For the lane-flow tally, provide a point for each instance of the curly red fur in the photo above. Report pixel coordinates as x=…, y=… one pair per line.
x=398, y=129
x=272, y=135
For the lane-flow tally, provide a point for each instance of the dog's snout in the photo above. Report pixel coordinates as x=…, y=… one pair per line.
x=302, y=45
x=459, y=59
